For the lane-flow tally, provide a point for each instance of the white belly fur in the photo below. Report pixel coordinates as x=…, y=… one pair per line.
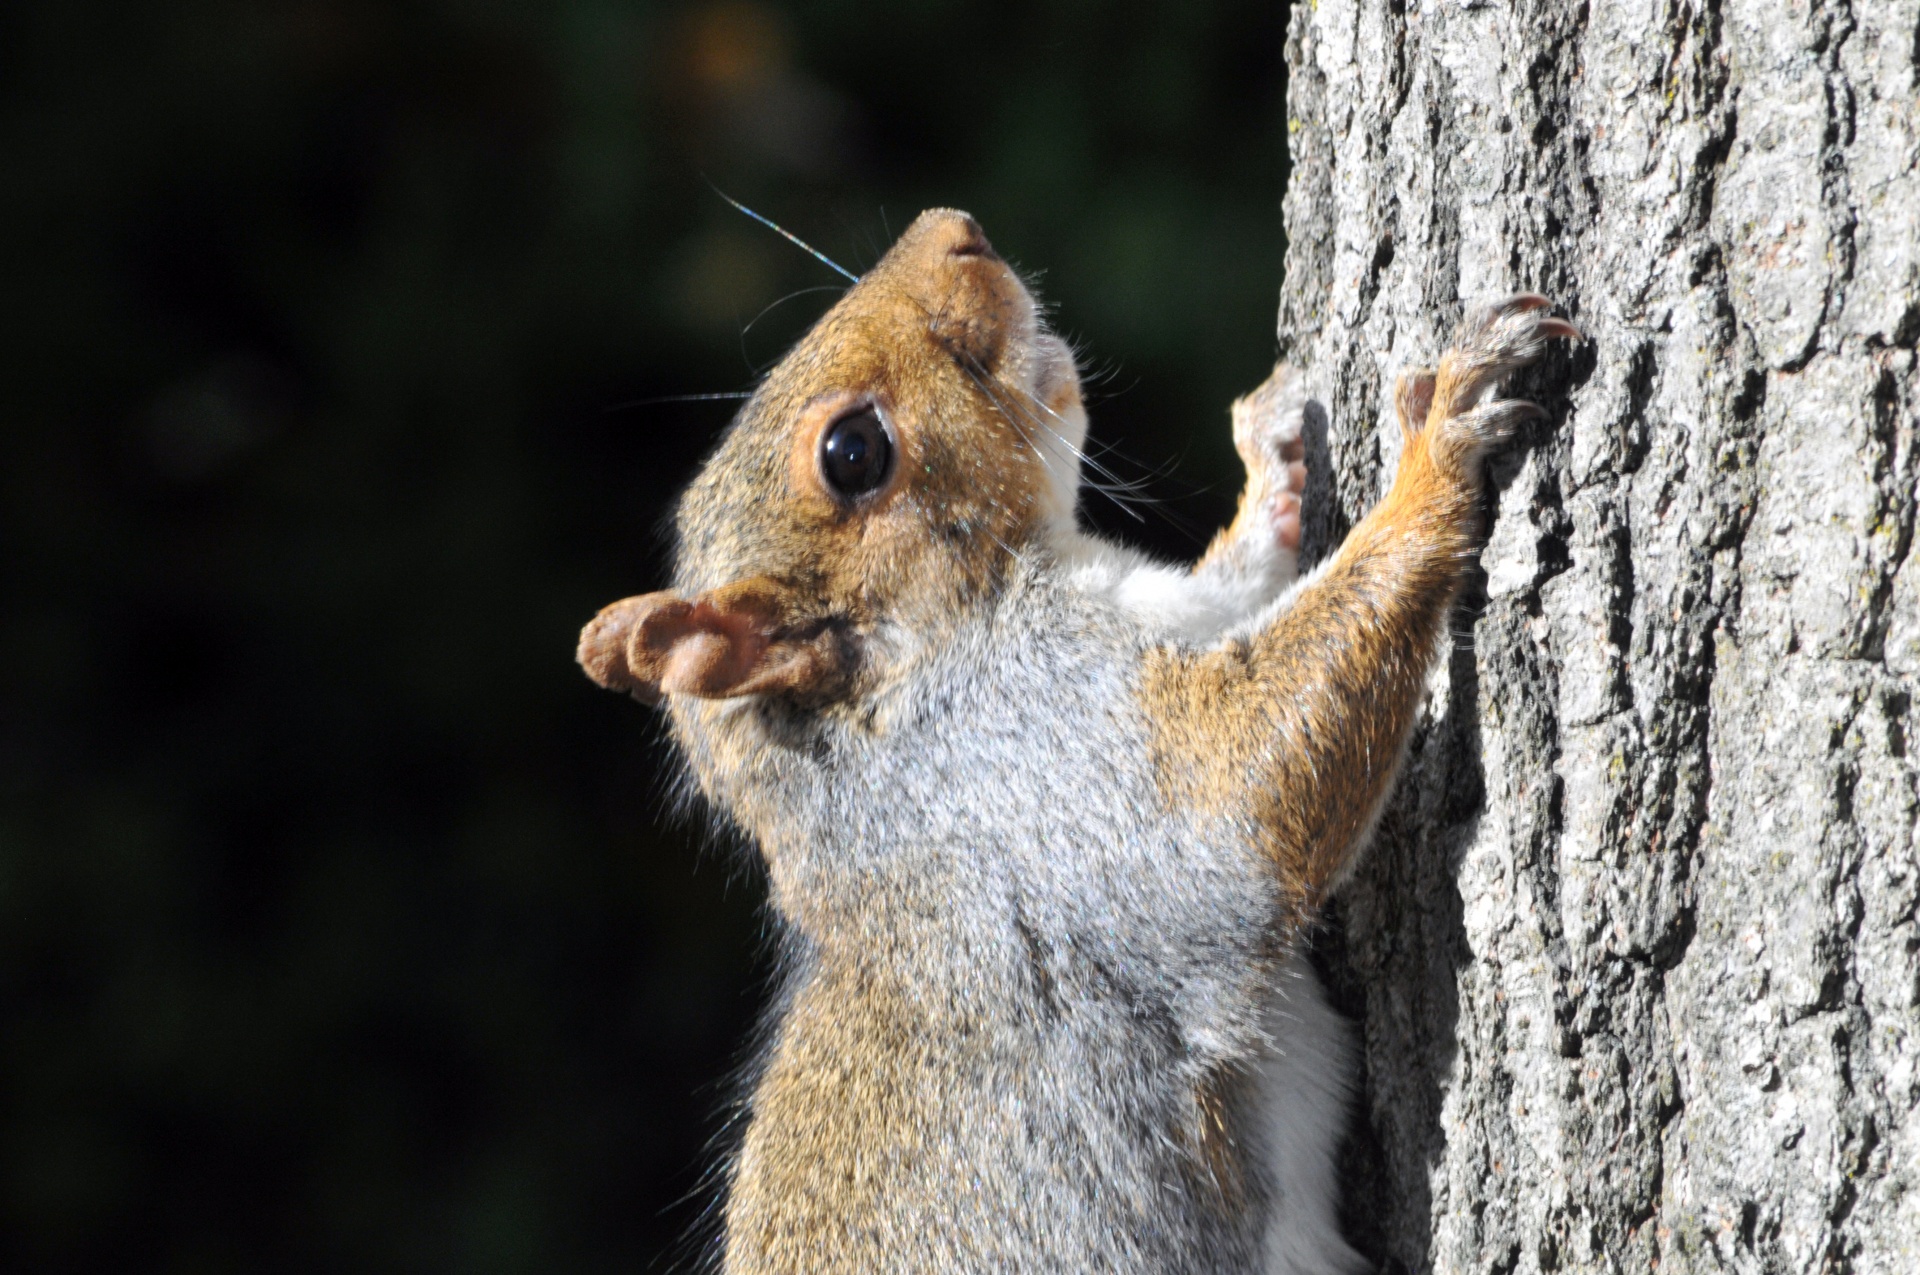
x=1303, y=1091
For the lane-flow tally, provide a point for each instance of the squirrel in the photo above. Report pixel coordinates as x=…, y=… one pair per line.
x=1045, y=820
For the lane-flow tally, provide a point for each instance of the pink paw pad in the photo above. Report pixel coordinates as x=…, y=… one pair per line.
x=1284, y=503
x=1267, y=432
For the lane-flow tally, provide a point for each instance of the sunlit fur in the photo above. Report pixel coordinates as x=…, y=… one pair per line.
x=1043, y=819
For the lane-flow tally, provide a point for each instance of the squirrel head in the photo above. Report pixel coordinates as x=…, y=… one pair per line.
x=887, y=471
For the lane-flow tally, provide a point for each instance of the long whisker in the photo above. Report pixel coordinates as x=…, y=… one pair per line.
x=980, y=381
x=1111, y=482
x=1101, y=480
x=1111, y=485
x=788, y=235
x=801, y=292
x=1141, y=484
x=679, y=398
x=1020, y=420
x=1126, y=494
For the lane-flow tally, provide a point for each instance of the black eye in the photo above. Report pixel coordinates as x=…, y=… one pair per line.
x=855, y=454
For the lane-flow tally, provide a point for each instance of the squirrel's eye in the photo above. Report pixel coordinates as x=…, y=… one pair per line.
x=855, y=454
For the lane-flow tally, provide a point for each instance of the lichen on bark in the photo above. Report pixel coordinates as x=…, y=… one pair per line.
x=1635, y=952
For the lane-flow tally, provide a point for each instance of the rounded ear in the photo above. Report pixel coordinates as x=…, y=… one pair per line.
x=744, y=638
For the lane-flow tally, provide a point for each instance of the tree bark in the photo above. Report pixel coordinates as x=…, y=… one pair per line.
x=1635, y=950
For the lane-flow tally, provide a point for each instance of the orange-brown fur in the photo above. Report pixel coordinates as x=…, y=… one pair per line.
x=1301, y=725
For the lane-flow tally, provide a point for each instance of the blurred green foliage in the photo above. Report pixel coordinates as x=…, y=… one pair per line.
x=342, y=926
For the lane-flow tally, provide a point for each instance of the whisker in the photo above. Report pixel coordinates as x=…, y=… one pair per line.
x=1103, y=481
x=1125, y=494
x=1113, y=486
x=1124, y=390
x=679, y=398
x=800, y=292
x=1080, y=454
x=979, y=380
x=786, y=234
x=1108, y=483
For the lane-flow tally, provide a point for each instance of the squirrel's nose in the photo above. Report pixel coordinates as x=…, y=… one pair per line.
x=960, y=292
x=968, y=240
x=947, y=232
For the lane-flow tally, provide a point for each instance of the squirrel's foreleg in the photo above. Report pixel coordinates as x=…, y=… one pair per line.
x=1257, y=556
x=1298, y=727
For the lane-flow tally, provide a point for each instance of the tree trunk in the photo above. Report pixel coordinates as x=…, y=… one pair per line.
x=1635, y=950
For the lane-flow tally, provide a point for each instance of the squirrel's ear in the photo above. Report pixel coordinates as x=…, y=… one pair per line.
x=739, y=639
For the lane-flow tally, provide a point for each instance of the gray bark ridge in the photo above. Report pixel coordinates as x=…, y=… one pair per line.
x=1635, y=952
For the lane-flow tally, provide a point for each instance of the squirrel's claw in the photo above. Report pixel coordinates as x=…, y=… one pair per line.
x=1492, y=341
x=1562, y=328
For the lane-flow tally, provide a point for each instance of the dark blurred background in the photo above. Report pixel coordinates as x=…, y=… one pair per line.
x=342, y=925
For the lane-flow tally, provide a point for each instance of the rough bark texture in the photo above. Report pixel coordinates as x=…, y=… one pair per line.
x=1635, y=950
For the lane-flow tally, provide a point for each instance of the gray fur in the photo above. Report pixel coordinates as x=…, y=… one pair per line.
x=989, y=836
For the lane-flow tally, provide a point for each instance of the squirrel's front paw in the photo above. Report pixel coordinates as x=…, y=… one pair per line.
x=1268, y=429
x=1491, y=341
